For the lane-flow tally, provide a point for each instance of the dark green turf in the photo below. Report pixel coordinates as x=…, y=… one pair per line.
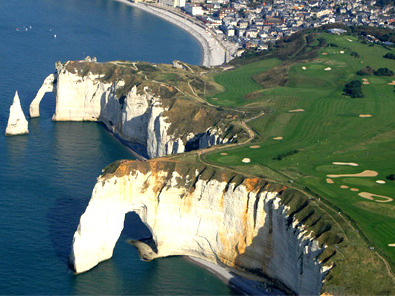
x=329, y=130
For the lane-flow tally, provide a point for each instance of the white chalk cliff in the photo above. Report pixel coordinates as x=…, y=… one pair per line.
x=240, y=224
x=17, y=123
x=48, y=86
x=138, y=117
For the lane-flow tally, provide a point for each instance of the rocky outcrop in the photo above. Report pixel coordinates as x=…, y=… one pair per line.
x=48, y=86
x=17, y=123
x=217, y=216
x=133, y=111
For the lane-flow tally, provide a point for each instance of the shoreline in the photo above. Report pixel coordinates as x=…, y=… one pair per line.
x=214, y=54
x=213, y=51
x=242, y=284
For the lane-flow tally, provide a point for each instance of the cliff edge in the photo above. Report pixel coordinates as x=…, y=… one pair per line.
x=217, y=215
x=156, y=106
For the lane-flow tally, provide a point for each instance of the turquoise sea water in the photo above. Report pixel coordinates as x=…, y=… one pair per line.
x=46, y=178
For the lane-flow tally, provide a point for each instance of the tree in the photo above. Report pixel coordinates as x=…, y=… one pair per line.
x=383, y=72
x=389, y=55
x=353, y=89
x=391, y=177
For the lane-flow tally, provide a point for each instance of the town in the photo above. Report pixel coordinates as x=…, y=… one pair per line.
x=254, y=24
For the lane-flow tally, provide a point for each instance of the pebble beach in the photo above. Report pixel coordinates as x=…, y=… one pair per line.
x=213, y=48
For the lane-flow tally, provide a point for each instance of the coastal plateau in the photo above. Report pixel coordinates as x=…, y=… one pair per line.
x=155, y=106
x=287, y=119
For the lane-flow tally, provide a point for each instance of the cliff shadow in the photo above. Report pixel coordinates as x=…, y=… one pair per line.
x=114, y=125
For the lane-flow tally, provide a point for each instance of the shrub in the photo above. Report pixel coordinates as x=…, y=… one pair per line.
x=391, y=177
x=365, y=71
x=383, y=72
x=281, y=156
x=353, y=89
x=355, y=54
x=389, y=55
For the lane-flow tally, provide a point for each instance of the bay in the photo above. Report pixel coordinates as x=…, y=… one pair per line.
x=46, y=177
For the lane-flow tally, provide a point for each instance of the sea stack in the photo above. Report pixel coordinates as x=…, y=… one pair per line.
x=17, y=123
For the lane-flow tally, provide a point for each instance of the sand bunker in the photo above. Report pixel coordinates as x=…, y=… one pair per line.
x=366, y=173
x=342, y=51
x=370, y=196
x=324, y=53
x=327, y=69
x=329, y=181
x=255, y=146
x=391, y=83
x=354, y=189
x=304, y=68
x=348, y=39
x=366, y=82
x=278, y=138
x=343, y=186
x=296, y=110
x=345, y=163
x=365, y=115
x=380, y=182
x=391, y=245
x=246, y=160
x=365, y=79
x=224, y=153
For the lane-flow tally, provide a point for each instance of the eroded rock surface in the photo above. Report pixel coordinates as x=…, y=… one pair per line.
x=17, y=123
x=204, y=213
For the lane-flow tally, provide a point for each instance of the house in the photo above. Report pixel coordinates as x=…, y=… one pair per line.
x=223, y=12
x=243, y=24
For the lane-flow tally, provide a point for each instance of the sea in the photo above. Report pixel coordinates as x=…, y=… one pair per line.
x=46, y=177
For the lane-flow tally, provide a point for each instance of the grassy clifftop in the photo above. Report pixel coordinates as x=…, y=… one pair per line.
x=180, y=89
x=337, y=149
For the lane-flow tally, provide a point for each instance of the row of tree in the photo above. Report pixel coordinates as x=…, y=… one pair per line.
x=379, y=72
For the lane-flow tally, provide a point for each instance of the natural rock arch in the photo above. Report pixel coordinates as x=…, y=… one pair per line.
x=218, y=220
x=47, y=86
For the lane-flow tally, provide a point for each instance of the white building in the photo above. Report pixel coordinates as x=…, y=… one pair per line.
x=194, y=9
x=172, y=3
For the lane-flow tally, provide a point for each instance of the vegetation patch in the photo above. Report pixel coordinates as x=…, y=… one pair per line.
x=391, y=177
x=365, y=71
x=353, y=89
x=383, y=72
x=389, y=55
x=283, y=155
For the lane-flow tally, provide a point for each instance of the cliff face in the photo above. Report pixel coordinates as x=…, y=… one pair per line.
x=135, y=108
x=17, y=123
x=215, y=216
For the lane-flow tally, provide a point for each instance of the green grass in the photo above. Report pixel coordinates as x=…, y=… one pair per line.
x=239, y=82
x=329, y=130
